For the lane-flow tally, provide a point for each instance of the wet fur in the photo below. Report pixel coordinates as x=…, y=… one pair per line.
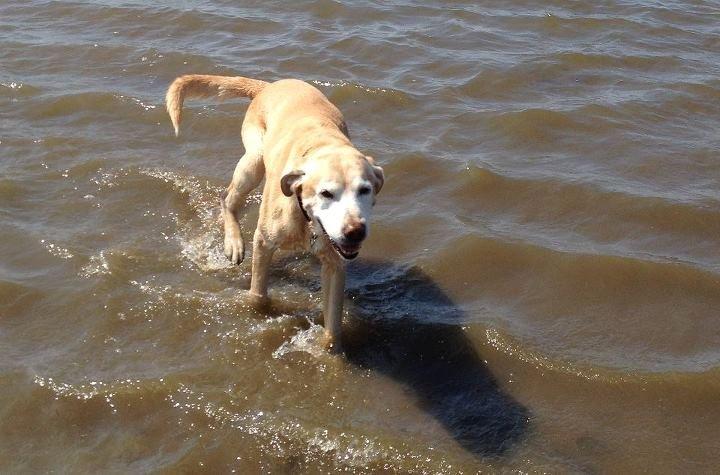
x=295, y=139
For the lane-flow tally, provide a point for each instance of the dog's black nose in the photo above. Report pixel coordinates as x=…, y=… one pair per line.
x=355, y=232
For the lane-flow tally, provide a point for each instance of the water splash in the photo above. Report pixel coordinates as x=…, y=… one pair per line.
x=308, y=341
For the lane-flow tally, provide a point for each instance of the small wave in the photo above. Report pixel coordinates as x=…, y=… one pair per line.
x=543, y=205
x=344, y=91
x=11, y=192
x=16, y=298
x=15, y=89
x=291, y=436
x=201, y=241
x=107, y=391
x=341, y=84
x=202, y=197
x=87, y=107
x=541, y=125
x=561, y=69
x=508, y=346
x=557, y=195
x=516, y=256
x=575, y=60
x=492, y=83
x=158, y=19
x=199, y=232
x=167, y=64
x=511, y=349
x=641, y=314
x=201, y=246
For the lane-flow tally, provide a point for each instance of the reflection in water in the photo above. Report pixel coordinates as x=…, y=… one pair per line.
x=403, y=325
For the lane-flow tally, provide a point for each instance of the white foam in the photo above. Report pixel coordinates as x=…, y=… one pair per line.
x=308, y=341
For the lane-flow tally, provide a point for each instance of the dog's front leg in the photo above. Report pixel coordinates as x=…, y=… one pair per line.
x=262, y=255
x=248, y=174
x=333, y=290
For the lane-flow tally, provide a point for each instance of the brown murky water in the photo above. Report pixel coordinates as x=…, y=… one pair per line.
x=541, y=292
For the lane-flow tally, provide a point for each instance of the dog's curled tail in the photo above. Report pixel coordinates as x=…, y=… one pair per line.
x=202, y=85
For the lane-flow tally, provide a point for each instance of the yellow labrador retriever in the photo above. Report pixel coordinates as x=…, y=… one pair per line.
x=319, y=189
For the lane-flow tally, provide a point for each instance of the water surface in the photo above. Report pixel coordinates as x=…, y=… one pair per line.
x=540, y=292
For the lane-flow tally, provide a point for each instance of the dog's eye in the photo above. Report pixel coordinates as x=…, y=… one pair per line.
x=326, y=194
x=364, y=190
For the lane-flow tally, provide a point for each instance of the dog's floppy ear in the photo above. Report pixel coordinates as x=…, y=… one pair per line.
x=290, y=181
x=378, y=173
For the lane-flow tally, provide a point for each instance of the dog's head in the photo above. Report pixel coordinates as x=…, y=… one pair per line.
x=337, y=192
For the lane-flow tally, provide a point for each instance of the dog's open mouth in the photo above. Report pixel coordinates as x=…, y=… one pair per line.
x=346, y=252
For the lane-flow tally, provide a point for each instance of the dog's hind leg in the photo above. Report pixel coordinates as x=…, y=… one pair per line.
x=262, y=255
x=248, y=174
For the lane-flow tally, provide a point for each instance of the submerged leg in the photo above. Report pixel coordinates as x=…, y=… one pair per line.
x=262, y=255
x=333, y=283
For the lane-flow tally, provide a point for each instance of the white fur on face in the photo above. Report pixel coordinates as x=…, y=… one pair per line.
x=346, y=205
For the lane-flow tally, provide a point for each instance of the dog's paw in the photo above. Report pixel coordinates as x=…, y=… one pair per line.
x=234, y=248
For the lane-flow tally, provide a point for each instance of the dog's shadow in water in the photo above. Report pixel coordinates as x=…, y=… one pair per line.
x=403, y=325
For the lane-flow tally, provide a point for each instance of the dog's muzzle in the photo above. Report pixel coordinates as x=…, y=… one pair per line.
x=346, y=250
x=350, y=247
